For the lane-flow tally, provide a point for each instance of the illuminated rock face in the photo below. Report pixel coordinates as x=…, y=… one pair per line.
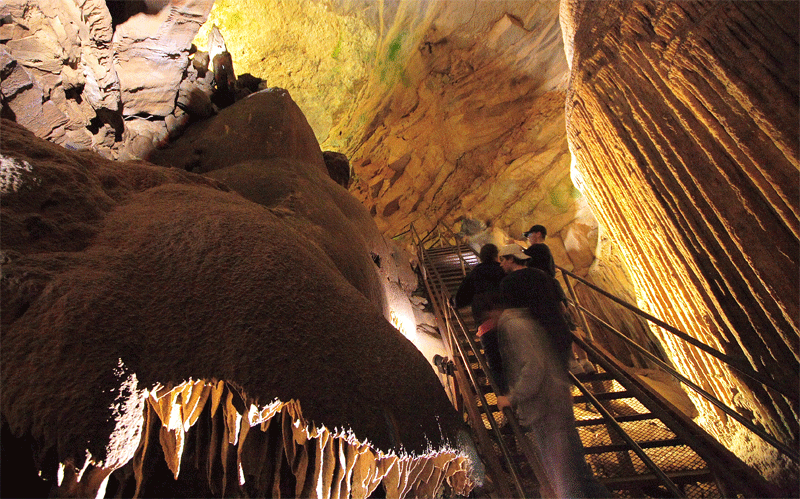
x=683, y=120
x=681, y=117
x=363, y=74
x=446, y=110
x=85, y=83
x=149, y=311
x=462, y=116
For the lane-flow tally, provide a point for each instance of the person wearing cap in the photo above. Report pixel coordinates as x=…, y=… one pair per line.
x=538, y=251
x=533, y=338
x=542, y=258
x=531, y=288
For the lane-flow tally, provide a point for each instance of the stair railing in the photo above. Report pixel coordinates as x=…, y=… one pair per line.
x=583, y=312
x=455, y=327
x=789, y=392
x=609, y=419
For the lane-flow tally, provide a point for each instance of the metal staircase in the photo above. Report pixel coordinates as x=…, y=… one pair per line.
x=635, y=441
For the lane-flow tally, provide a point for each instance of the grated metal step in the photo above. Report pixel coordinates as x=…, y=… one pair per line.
x=609, y=456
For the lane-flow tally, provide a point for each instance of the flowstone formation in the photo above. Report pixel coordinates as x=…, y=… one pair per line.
x=683, y=120
x=165, y=335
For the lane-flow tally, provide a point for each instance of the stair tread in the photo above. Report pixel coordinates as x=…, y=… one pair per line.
x=679, y=477
x=647, y=444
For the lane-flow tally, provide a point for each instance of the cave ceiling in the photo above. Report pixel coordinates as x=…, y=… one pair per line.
x=446, y=110
x=657, y=141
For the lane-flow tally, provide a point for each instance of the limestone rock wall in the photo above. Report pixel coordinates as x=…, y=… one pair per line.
x=445, y=109
x=683, y=120
x=129, y=288
x=463, y=117
x=72, y=77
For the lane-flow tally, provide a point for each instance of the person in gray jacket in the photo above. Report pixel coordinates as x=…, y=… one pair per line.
x=538, y=387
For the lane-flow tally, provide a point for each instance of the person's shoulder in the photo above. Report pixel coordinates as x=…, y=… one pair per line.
x=534, y=273
x=488, y=267
x=515, y=276
x=481, y=267
x=539, y=247
x=498, y=272
x=490, y=272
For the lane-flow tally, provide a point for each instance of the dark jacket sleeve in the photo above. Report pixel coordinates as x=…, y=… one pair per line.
x=465, y=291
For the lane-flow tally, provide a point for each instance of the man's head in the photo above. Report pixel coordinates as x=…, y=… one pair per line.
x=536, y=234
x=512, y=257
x=488, y=253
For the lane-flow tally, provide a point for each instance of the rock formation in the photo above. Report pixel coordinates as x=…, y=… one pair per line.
x=73, y=77
x=153, y=318
x=264, y=149
x=672, y=178
x=683, y=121
x=482, y=87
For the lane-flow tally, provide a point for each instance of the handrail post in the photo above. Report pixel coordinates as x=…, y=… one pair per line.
x=577, y=306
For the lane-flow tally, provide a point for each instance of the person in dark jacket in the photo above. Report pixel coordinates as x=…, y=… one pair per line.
x=533, y=289
x=541, y=258
x=533, y=341
x=479, y=289
x=538, y=251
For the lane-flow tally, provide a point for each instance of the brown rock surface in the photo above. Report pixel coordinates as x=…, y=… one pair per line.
x=263, y=148
x=683, y=120
x=85, y=74
x=122, y=276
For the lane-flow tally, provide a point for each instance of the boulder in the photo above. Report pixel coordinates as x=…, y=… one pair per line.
x=123, y=282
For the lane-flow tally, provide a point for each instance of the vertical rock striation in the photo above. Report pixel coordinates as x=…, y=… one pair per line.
x=683, y=120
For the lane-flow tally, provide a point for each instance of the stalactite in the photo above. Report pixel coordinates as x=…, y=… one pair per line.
x=205, y=428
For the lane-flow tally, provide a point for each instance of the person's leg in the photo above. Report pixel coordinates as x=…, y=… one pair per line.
x=564, y=462
x=491, y=349
x=559, y=442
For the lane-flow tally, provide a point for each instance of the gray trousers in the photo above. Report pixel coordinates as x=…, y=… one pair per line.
x=539, y=390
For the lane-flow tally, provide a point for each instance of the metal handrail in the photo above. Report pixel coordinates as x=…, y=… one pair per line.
x=780, y=446
x=461, y=259
x=490, y=417
x=495, y=428
x=438, y=228
x=789, y=392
